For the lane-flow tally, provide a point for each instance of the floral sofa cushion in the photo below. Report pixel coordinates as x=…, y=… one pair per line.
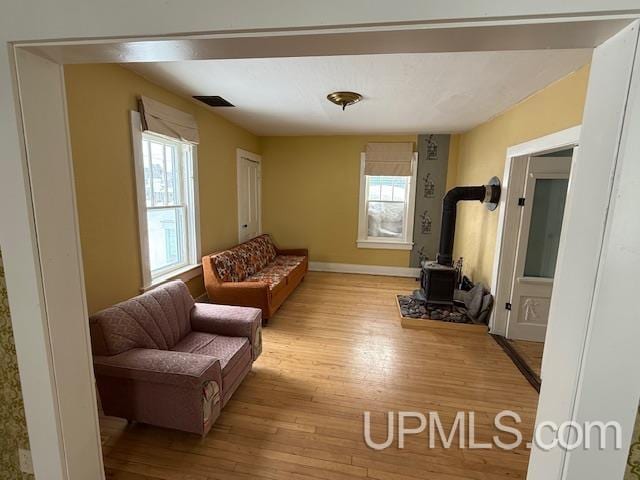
x=273, y=273
x=288, y=260
x=244, y=260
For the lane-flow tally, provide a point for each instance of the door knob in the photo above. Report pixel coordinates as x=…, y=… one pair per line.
x=245, y=225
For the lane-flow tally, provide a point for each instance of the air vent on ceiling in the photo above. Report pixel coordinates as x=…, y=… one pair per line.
x=214, y=101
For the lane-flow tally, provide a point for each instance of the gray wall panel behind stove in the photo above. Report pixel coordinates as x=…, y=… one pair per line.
x=433, y=159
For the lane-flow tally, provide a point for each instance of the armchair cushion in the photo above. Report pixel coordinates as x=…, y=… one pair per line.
x=160, y=366
x=226, y=349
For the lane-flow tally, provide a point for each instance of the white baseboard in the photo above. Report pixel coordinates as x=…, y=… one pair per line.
x=364, y=269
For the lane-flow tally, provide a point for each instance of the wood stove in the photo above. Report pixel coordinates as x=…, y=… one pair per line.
x=438, y=283
x=438, y=279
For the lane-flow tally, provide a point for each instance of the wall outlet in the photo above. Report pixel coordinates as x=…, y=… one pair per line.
x=26, y=465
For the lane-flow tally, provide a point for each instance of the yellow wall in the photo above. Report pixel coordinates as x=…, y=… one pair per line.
x=100, y=98
x=482, y=153
x=311, y=189
x=310, y=184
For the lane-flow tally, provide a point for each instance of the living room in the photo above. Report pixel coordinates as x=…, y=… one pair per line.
x=321, y=172
x=252, y=228
x=309, y=189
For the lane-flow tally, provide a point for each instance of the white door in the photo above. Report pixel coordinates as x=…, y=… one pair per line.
x=542, y=210
x=249, y=195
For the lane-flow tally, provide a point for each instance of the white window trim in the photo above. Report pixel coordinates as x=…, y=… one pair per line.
x=363, y=240
x=184, y=273
x=194, y=266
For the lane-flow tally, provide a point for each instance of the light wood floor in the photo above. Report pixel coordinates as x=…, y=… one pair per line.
x=531, y=352
x=334, y=350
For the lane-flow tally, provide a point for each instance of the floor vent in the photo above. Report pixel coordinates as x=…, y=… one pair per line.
x=214, y=101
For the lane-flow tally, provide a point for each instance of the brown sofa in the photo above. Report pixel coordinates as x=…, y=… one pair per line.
x=254, y=274
x=162, y=359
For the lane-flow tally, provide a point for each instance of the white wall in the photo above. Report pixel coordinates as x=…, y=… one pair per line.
x=64, y=19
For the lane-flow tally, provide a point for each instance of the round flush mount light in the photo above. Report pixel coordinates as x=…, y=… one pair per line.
x=344, y=99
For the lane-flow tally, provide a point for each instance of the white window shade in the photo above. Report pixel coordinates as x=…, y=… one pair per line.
x=388, y=159
x=167, y=121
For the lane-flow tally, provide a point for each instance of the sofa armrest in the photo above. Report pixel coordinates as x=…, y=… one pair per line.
x=229, y=321
x=302, y=252
x=188, y=370
x=244, y=294
x=252, y=288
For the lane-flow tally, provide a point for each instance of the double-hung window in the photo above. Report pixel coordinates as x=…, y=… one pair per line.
x=387, y=196
x=167, y=207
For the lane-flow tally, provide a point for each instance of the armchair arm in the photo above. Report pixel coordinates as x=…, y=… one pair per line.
x=160, y=366
x=229, y=321
x=225, y=319
x=303, y=252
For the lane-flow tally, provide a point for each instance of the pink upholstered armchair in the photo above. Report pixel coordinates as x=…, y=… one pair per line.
x=164, y=360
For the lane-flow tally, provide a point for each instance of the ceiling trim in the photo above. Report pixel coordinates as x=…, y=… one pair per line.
x=423, y=38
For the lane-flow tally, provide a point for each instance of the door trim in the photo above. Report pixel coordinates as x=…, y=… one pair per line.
x=507, y=233
x=536, y=168
x=589, y=353
x=254, y=157
x=52, y=336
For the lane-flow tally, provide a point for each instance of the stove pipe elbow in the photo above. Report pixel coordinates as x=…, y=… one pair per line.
x=488, y=194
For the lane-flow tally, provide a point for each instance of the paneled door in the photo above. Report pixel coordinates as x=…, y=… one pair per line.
x=542, y=211
x=249, y=195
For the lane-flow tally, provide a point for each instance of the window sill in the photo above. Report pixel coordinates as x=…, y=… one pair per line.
x=185, y=274
x=385, y=245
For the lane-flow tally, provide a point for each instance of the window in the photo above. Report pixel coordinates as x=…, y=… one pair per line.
x=386, y=210
x=167, y=206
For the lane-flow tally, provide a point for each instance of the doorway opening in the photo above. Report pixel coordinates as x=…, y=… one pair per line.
x=533, y=217
x=249, y=174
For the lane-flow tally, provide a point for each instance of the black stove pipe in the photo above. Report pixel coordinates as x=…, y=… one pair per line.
x=489, y=194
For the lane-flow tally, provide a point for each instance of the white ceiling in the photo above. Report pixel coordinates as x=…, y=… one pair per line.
x=403, y=93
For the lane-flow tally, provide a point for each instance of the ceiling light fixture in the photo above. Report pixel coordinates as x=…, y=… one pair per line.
x=344, y=99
